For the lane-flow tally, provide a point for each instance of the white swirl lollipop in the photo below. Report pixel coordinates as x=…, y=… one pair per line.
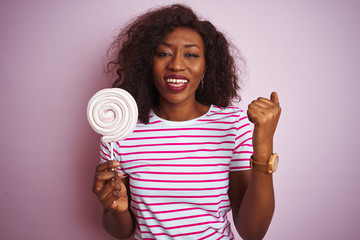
x=113, y=113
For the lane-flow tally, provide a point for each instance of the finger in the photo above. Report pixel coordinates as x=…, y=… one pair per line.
x=253, y=115
x=101, y=178
x=261, y=102
x=274, y=97
x=108, y=188
x=107, y=166
x=259, y=107
x=106, y=176
x=249, y=116
x=266, y=100
x=109, y=201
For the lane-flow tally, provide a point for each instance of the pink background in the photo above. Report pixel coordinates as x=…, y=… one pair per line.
x=51, y=59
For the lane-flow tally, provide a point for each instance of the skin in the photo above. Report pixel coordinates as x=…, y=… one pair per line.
x=251, y=193
x=113, y=192
x=181, y=53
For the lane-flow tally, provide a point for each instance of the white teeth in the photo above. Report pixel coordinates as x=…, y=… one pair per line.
x=173, y=80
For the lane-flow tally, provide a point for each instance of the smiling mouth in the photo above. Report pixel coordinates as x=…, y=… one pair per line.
x=176, y=82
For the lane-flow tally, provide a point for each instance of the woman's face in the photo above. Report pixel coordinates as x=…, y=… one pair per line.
x=178, y=66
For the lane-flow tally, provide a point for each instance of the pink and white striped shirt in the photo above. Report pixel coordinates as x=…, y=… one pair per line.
x=179, y=173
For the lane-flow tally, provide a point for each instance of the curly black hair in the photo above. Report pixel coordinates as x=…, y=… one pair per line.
x=134, y=47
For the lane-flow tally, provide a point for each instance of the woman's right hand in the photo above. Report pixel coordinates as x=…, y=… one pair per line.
x=109, y=187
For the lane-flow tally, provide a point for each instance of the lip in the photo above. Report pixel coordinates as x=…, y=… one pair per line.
x=176, y=76
x=173, y=87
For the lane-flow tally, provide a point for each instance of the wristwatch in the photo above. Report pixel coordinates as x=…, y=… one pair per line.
x=268, y=167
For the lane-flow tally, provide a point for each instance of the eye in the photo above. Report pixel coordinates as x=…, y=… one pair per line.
x=192, y=55
x=163, y=54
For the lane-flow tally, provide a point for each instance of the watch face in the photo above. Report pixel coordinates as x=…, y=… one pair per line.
x=276, y=163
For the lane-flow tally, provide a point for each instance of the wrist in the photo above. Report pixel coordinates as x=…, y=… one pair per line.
x=262, y=156
x=262, y=151
x=269, y=166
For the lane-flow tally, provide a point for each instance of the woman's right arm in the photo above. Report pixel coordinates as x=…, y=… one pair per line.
x=112, y=190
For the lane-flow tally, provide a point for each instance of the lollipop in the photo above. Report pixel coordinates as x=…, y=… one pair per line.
x=113, y=113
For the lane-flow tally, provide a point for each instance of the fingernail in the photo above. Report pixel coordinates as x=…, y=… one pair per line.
x=115, y=163
x=112, y=184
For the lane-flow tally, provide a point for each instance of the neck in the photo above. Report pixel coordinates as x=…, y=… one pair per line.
x=181, y=112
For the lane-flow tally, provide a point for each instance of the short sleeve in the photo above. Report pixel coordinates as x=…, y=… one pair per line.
x=243, y=145
x=105, y=154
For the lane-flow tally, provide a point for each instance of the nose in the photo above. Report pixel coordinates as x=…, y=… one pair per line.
x=176, y=63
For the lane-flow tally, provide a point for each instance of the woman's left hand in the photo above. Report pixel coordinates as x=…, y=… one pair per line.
x=264, y=114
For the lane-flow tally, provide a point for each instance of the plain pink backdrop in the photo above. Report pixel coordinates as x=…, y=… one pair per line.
x=52, y=58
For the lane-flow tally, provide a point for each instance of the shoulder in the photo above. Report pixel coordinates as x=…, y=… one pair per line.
x=232, y=115
x=229, y=109
x=230, y=112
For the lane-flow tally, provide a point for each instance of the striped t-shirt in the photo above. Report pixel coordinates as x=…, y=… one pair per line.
x=179, y=173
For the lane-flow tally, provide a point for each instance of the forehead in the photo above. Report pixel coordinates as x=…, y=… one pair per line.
x=184, y=36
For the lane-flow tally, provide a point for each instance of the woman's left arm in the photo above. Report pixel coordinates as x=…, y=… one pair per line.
x=251, y=192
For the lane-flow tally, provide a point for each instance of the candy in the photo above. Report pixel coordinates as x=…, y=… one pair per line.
x=113, y=113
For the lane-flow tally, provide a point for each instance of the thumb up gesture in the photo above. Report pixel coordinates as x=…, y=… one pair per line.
x=264, y=114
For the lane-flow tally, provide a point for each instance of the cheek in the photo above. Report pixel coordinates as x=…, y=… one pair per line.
x=157, y=74
x=199, y=69
x=157, y=69
x=199, y=66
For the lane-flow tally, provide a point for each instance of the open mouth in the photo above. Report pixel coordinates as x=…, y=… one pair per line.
x=176, y=82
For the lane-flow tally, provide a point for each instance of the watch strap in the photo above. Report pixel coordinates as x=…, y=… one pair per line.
x=261, y=167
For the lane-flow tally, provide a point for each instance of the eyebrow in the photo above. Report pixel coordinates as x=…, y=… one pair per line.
x=186, y=45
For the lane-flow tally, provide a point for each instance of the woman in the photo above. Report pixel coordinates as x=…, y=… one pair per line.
x=188, y=161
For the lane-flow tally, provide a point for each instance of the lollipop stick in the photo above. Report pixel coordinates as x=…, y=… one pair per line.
x=112, y=154
x=112, y=150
